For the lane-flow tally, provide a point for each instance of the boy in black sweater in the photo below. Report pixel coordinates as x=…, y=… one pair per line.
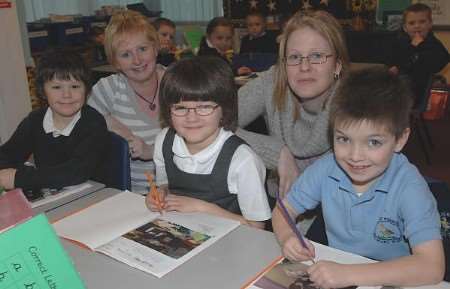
x=66, y=140
x=417, y=53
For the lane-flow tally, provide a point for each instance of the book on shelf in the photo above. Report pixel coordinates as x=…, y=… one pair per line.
x=283, y=274
x=123, y=228
x=31, y=256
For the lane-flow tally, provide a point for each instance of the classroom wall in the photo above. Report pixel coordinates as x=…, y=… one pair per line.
x=14, y=95
x=444, y=36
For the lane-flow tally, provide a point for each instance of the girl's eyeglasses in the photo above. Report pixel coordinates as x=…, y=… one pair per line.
x=202, y=110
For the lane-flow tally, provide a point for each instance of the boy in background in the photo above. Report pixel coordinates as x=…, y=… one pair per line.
x=166, y=32
x=258, y=39
x=374, y=201
x=417, y=53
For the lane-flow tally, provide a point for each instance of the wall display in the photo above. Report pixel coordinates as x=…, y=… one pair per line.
x=441, y=12
x=279, y=10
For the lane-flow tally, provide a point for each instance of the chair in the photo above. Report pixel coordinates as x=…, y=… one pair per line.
x=441, y=193
x=115, y=171
x=418, y=123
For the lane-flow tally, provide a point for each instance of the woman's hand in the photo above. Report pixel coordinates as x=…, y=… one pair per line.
x=328, y=274
x=139, y=149
x=288, y=171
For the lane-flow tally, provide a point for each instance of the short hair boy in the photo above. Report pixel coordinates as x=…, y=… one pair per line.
x=375, y=203
x=416, y=52
x=258, y=40
x=166, y=32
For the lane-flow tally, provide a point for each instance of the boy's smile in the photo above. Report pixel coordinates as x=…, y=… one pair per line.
x=364, y=149
x=65, y=98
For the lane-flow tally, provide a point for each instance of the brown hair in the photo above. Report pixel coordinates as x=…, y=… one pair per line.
x=415, y=8
x=218, y=21
x=373, y=95
x=323, y=23
x=61, y=65
x=125, y=22
x=201, y=78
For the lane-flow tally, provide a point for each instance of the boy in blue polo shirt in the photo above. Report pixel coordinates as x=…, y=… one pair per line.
x=374, y=202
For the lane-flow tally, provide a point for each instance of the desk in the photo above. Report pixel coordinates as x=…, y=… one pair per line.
x=229, y=263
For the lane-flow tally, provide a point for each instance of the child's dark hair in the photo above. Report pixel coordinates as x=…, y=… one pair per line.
x=417, y=7
x=163, y=21
x=218, y=21
x=256, y=13
x=201, y=78
x=61, y=65
x=373, y=95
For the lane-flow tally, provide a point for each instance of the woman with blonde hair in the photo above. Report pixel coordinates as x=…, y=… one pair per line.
x=293, y=95
x=129, y=98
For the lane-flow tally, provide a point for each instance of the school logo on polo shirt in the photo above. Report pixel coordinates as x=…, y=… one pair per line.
x=387, y=231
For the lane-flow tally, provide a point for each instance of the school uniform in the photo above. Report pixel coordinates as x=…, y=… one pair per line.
x=62, y=157
x=227, y=173
x=395, y=214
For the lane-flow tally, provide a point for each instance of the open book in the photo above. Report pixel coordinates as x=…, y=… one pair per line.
x=123, y=228
x=282, y=274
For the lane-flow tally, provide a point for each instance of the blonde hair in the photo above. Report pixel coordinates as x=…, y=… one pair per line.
x=125, y=22
x=324, y=24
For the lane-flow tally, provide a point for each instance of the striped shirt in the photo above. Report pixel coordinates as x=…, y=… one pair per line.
x=114, y=96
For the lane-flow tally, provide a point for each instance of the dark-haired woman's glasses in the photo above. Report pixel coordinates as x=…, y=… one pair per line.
x=313, y=58
x=202, y=110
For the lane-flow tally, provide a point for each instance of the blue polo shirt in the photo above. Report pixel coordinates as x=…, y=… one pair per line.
x=396, y=212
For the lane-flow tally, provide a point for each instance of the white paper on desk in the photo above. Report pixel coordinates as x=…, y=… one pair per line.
x=101, y=227
x=61, y=194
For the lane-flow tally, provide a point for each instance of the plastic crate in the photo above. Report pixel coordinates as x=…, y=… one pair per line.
x=38, y=36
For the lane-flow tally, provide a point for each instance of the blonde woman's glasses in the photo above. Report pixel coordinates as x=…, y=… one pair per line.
x=313, y=58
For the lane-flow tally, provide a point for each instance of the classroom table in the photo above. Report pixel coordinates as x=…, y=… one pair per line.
x=229, y=263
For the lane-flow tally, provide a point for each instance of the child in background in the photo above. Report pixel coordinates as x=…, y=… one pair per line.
x=67, y=139
x=219, y=39
x=166, y=31
x=258, y=40
x=417, y=53
x=205, y=166
x=375, y=203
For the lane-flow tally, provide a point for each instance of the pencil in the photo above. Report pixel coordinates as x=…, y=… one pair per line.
x=291, y=224
x=154, y=193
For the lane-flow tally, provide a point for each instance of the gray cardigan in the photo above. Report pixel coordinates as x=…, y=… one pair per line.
x=306, y=137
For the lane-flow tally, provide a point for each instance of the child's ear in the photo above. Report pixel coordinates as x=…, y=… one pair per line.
x=402, y=140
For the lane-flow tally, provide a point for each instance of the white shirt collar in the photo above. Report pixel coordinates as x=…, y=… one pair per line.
x=49, y=125
x=180, y=149
x=256, y=37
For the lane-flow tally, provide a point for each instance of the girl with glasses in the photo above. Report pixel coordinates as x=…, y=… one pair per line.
x=202, y=164
x=293, y=96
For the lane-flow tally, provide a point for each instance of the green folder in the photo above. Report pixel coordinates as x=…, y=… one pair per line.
x=31, y=257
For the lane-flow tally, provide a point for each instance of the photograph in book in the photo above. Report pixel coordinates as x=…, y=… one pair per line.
x=287, y=275
x=170, y=239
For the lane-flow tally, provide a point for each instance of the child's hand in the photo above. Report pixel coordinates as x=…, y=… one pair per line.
x=328, y=274
x=184, y=204
x=417, y=39
x=7, y=177
x=294, y=251
x=157, y=203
